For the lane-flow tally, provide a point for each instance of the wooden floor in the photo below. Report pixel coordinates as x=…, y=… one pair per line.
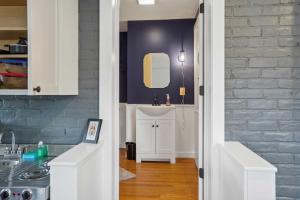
x=160, y=181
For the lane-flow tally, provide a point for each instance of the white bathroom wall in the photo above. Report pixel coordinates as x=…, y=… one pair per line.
x=185, y=142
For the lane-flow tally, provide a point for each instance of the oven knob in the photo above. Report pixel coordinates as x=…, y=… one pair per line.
x=5, y=194
x=26, y=195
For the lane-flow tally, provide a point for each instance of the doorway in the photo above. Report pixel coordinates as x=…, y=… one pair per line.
x=162, y=33
x=214, y=13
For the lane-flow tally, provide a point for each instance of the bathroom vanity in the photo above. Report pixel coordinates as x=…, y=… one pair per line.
x=155, y=133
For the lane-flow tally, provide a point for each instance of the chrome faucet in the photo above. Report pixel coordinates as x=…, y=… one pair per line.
x=155, y=101
x=13, y=142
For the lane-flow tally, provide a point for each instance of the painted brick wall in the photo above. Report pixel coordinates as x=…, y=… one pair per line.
x=60, y=119
x=263, y=84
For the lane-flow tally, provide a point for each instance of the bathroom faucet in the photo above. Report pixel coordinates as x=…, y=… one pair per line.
x=13, y=141
x=155, y=102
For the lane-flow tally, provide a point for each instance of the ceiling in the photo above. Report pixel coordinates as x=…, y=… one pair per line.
x=162, y=10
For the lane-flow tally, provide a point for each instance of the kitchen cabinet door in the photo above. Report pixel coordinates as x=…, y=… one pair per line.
x=145, y=139
x=165, y=140
x=53, y=47
x=42, y=37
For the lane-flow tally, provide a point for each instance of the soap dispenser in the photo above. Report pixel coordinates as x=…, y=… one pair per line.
x=168, y=101
x=42, y=150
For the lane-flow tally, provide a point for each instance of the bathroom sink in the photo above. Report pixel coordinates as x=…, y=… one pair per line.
x=155, y=110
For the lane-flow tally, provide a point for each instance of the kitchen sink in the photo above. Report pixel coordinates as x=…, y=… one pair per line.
x=7, y=163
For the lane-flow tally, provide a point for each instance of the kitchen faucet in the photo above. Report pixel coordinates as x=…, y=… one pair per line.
x=13, y=142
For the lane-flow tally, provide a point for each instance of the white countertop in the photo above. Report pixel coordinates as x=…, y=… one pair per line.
x=245, y=157
x=76, y=155
x=156, y=107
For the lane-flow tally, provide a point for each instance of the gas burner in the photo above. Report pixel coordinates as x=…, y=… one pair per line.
x=30, y=180
x=46, y=165
x=35, y=174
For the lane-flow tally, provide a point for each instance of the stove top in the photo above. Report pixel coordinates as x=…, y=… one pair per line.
x=26, y=181
x=36, y=173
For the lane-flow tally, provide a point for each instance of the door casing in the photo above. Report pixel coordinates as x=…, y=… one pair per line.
x=213, y=96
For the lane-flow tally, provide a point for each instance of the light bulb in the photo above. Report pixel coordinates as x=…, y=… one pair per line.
x=146, y=2
x=181, y=56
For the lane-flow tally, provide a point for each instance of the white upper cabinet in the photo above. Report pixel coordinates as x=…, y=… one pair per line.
x=52, y=60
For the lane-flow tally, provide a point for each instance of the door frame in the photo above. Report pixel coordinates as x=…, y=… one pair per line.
x=213, y=96
x=199, y=98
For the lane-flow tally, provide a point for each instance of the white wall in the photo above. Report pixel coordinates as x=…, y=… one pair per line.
x=245, y=175
x=70, y=175
x=185, y=142
x=185, y=134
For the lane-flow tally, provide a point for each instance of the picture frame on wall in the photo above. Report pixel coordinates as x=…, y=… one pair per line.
x=93, y=131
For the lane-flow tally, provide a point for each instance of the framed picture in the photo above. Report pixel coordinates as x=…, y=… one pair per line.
x=93, y=131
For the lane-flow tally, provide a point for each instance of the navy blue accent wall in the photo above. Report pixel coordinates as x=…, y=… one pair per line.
x=160, y=36
x=123, y=68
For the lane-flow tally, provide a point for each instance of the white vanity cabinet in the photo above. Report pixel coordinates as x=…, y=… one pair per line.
x=155, y=133
x=51, y=28
x=145, y=137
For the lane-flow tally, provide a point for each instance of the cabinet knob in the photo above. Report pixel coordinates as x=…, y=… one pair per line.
x=37, y=89
x=157, y=126
x=152, y=126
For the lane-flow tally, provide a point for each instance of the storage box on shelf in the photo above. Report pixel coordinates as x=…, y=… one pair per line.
x=13, y=73
x=13, y=3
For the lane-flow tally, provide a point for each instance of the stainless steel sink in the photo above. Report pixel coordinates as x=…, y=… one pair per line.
x=5, y=163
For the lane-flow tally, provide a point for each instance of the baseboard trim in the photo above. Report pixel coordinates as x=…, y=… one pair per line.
x=178, y=154
x=122, y=145
x=185, y=155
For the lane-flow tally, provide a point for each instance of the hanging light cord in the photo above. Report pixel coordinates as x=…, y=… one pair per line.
x=182, y=71
x=183, y=84
x=182, y=100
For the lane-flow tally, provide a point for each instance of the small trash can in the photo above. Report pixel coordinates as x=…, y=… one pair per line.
x=131, y=152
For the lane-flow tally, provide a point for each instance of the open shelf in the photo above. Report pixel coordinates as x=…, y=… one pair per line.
x=13, y=56
x=11, y=35
x=13, y=3
x=13, y=91
x=13, y=28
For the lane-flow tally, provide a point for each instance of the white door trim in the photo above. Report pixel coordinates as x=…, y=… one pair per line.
x=213, y=98
x=214, y=48
x=109, y=97
x=199, y=68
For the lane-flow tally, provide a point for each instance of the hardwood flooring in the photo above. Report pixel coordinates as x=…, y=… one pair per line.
x=160, y=181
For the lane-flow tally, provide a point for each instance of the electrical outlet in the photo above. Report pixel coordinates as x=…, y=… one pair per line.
x=182, y=91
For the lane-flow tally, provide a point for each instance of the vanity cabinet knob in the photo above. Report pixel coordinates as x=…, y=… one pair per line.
x=37, y=89
x=152, y=126
x=157, y=126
